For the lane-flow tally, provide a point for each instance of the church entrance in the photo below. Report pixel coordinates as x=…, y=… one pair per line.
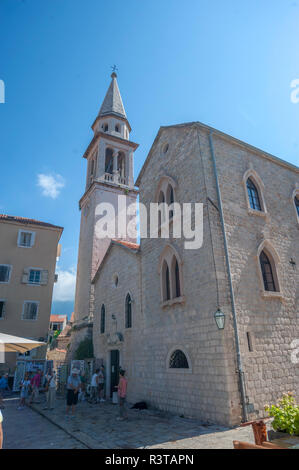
x=114, y=370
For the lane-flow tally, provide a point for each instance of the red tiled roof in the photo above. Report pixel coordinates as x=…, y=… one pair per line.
x=57, y=318
x=133, y=246
x=24, y=220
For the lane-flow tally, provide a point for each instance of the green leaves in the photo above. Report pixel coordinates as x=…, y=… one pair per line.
x=85, y=349
x=285, y=414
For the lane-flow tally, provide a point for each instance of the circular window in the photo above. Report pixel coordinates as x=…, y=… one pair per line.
x=165, y=148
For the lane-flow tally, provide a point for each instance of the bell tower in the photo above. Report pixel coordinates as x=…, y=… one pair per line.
x=109, y=175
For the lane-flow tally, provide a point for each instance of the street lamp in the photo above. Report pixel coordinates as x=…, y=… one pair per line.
x=219, y=319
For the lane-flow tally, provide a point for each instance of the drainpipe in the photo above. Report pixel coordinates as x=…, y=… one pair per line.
x=237, y=341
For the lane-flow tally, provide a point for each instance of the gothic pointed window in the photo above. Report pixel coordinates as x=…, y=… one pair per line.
x=161, y=213
x=166, y=281
x=128, y=312
x=267, y=272
x=296, y=200
x=177, y=279
x=170, y=270
x=253, y=195
x=178, y=360
x=170, y=199
x=103, y=314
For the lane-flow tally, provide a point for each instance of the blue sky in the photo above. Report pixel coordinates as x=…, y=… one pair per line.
x=227, y=63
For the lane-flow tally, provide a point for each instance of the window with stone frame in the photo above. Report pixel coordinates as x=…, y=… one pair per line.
x=103, y=319
x=178, y=360
x=296, y=200
x=176, y=276
x=253, y=195
x=170, y=272
x=166, y=281
x=267, y=267
x=128, y=312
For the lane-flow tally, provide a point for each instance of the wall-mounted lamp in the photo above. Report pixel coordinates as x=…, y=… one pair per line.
x=219, y=319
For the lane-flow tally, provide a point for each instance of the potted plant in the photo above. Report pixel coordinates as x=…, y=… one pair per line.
x=286, y=417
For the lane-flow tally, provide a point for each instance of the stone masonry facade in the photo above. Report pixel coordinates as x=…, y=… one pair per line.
x=209, y=389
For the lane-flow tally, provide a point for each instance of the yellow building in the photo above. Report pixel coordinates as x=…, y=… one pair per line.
x=28, y=252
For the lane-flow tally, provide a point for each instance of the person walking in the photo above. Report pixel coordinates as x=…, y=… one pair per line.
x=73, y=387
x=51, y=392
x=35, y=384
x=47, y=379
x=4, y=388
x=94, y=387
x=101, y=383
x=83, y=386
x=122, y=393
x=25, y=387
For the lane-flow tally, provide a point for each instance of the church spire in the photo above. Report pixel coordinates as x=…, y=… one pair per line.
x=112, y=103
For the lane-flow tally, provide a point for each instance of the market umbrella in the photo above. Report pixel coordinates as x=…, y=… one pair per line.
x=17, y=344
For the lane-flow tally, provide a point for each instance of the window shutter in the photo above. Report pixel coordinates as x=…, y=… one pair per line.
x=44, y=277
x=25, y=276
x=32, y=239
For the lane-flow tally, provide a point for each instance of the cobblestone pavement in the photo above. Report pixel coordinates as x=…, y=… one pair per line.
x=96, y=427
x=26, y=429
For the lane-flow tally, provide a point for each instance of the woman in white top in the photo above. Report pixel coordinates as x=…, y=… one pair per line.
x=25, y=386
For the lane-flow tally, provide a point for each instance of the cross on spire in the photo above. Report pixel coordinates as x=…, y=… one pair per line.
x=114, y=68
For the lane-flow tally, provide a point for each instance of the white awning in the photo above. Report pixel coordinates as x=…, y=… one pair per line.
x=17, y=344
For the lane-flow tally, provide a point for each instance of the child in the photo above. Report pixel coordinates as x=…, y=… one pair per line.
x=25, y=385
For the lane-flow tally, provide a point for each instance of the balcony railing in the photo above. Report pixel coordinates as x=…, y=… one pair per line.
x=115, y=178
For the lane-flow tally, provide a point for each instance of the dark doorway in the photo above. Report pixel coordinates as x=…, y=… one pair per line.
x=114, y=370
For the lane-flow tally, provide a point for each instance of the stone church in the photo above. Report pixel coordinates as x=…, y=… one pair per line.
x=209, y=332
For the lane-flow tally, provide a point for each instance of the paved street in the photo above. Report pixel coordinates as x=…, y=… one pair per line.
x=27, y=429
x=95, y=426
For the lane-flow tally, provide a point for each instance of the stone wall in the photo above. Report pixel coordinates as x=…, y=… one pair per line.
x=271, y=321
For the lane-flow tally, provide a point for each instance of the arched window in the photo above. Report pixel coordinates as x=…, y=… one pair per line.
x=105, y=127
x=116, y=128
x=267, y=272
x=102, y=326
x=161, y=215
x=170, y=198
x=109, y=161
x=177, y=279
x=170, y=274
x=296, y=200
x=128, y=312
x=253, y=195
x=166, y=281
x=178, y=360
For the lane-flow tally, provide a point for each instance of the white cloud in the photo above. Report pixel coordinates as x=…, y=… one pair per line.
x=50, y=184
x=64, y=288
